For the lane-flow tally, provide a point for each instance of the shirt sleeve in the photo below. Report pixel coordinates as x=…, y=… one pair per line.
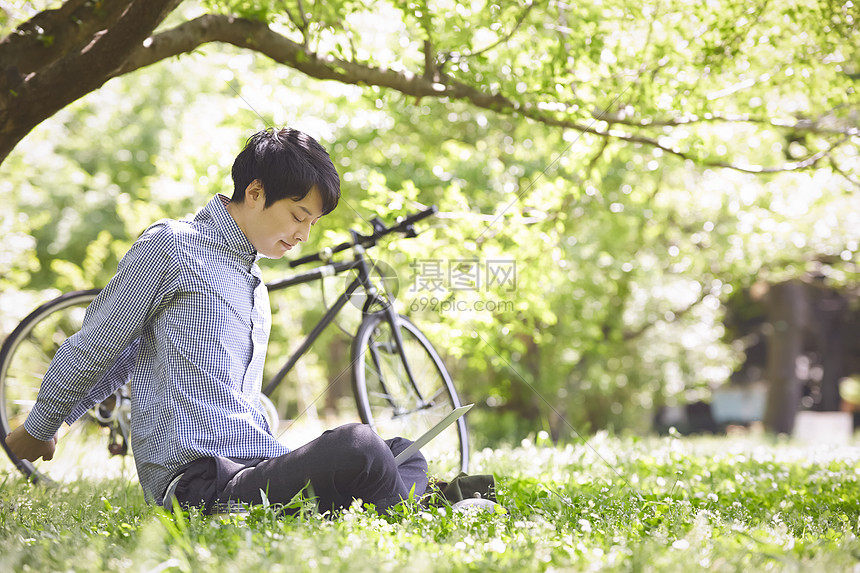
x=112, y=322
x=114, y=378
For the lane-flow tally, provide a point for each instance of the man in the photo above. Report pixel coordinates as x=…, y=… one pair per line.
x=187, y=314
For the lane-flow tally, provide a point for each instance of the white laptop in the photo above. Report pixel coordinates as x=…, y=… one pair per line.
x=431, y=433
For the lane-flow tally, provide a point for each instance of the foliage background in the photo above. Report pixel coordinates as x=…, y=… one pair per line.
x=625, y=251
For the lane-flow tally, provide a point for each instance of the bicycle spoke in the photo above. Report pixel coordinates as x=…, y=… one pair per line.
x=82, y=449
x=400, y=406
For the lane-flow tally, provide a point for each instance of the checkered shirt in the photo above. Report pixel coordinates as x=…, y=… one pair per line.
x=186, y=319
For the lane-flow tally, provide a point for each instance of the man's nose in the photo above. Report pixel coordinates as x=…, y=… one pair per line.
x=302, y=234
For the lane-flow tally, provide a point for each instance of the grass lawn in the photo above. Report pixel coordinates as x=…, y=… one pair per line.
x=615, y=504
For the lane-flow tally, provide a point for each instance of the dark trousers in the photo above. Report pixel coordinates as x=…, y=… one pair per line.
x=346, y=463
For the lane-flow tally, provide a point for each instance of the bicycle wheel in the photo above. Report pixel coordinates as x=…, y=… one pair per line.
x=83, y=448
x=395, y=407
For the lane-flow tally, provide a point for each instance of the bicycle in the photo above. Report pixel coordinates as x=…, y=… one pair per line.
x=400, y=384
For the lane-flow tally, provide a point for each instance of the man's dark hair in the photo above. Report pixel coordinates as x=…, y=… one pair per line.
x=289, y=163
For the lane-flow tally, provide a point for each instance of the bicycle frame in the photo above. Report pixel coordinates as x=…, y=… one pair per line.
x=383, y=355
x=359, y=263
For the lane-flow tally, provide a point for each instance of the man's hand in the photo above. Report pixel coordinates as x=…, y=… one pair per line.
x=26, y=447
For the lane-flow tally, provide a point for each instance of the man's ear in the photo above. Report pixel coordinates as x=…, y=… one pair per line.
x=254, y=193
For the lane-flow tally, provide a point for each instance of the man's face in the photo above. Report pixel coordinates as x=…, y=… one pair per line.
x=275, y=230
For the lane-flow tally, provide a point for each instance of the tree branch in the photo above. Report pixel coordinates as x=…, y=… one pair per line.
x=120, y=32
x=836, y=168
x=593, y=161
x=800, y=125
x=300, y=23
x=113, y=30
x=430, y=71
x=456, y=57
x=259, y=37
x=676, y=314
x=50, y=34
x=531, y=113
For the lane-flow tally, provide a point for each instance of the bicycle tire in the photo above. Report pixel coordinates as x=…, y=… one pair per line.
x=387, y=402
x=82, y=449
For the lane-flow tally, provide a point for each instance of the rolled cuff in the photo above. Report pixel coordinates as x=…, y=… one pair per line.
x=39, y=425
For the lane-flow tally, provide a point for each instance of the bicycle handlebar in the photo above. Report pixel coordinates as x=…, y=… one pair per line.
x=379, y=230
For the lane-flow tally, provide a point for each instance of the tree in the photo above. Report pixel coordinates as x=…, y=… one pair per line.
x=668, y=82
x=60, y=55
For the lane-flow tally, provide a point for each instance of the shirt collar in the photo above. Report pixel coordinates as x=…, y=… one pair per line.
x=216, y=212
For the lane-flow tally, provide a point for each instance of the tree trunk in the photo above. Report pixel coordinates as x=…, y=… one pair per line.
x=831, y=321
x=788, y=312
x=61, y=55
